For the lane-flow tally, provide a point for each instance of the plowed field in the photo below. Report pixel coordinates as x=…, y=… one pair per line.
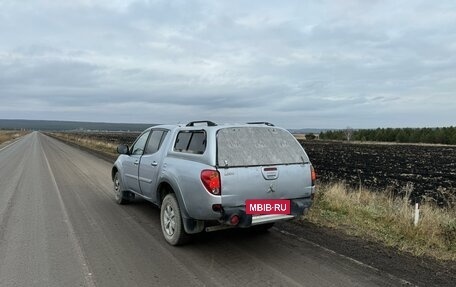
x=423, y=170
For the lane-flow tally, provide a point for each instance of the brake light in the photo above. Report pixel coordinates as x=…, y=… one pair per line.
x=313, y=175
x=211, y=181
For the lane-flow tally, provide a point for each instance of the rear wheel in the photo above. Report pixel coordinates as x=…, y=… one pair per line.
x=171, y=221
x=122, y=197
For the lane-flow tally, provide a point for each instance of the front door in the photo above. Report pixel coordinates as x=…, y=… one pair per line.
x=131, y=165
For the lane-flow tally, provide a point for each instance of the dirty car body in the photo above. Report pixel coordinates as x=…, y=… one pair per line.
x=201, y=175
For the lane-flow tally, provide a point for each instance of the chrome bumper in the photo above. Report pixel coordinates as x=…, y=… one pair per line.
x=262, y=219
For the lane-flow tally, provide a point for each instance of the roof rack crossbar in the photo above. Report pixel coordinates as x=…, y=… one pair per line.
x=208, y=123
x=260, y=123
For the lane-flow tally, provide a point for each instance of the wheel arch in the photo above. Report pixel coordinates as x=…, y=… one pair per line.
x=165, y=187
x=114, y=170
x=190, y=225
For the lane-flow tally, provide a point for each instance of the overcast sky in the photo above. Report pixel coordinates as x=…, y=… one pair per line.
x=321, y=64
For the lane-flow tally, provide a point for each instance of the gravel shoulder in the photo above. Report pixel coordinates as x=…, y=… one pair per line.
x=422, y=271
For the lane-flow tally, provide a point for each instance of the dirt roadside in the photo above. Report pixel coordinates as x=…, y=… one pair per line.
x=421, y=271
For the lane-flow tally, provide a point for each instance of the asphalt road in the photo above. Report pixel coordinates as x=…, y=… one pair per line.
x=60, y=226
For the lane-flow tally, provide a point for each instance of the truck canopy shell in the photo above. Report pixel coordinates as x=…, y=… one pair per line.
x=257, y=146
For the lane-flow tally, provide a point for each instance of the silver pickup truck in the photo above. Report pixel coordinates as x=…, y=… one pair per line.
x=206, y=177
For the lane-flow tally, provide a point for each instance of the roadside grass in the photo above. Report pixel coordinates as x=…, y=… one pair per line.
x=384, y=218
x=10, y=135
x=300, y=137
x=86, y=141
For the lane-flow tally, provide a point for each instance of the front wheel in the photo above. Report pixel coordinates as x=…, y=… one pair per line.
x=171, y=221
x=122, y=197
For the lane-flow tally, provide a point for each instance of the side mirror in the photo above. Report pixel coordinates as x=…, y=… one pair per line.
x=123, y=149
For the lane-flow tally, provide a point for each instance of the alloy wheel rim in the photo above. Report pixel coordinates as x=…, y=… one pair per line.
x=117, y=188
x=169, y=220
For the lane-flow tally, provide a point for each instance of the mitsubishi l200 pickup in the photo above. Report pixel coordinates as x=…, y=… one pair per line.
x=206, y=177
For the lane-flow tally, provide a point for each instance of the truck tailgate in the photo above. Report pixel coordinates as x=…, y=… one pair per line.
x=265, y=182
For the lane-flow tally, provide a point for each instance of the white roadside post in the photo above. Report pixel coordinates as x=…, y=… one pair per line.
x=417, y=214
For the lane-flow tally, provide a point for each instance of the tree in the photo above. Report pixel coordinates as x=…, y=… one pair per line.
x=401, y=136
x=348, y=132
x=310, y=136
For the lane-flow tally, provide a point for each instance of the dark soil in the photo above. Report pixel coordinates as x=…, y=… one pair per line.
x=426, y=171
x=111, y=137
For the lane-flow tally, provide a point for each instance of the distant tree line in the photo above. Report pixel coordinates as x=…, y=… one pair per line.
x=446, y=135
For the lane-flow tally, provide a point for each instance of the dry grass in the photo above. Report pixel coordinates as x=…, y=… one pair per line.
x=300, y=136
x=386, y=219
x=102, y=146
x=10, y=135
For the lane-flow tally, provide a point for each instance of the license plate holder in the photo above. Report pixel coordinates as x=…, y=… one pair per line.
x=267, y=206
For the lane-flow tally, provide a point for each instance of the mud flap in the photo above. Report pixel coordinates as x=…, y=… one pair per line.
x=300, y=206
x=193, y=226
x=129, y=195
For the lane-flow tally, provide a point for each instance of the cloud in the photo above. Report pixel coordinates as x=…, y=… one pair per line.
x=298, y=64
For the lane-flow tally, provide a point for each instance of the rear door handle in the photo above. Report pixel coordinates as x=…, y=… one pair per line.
x=136, y=162
x=154, y=163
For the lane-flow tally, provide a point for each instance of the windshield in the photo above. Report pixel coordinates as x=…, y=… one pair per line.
x=256, y=146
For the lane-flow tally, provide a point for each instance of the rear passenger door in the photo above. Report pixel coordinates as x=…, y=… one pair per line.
x=151, y=162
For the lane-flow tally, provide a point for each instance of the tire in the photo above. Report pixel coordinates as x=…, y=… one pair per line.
x=171, y=221
x=121, y=196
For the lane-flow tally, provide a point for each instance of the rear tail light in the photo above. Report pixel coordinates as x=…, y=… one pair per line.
x=211, y=181
x=313, y=175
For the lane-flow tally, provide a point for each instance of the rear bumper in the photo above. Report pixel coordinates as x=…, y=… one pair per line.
x=262, y=219
x=299, y=207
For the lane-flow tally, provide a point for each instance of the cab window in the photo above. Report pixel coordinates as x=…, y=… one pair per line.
x=138, y=146
x=191, y=142
x=155, y=141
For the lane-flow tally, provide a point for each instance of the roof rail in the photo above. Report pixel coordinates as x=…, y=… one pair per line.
x=208, y=123
x=261, y=123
